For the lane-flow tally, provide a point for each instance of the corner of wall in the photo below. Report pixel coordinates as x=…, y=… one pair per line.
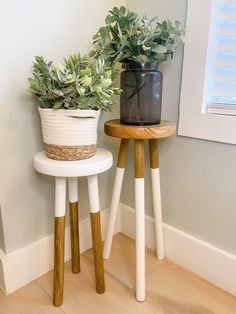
x=2, y=278
x=2, y=240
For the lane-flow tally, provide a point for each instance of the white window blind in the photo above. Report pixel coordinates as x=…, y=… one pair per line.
x=221, y=67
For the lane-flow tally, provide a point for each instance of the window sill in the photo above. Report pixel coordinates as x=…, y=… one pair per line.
x=213, y=127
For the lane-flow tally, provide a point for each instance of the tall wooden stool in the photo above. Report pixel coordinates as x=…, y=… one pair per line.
x=138, y=134
x=62, y=170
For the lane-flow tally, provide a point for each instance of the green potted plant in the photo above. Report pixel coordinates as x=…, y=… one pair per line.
x=71, y=96
x=141, y=46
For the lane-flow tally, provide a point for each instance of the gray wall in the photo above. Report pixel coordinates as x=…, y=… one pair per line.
x=197, y=177
x=53, y=29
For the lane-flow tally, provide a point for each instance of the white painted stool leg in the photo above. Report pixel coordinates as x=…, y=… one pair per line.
x=93, y=193
x=73, y=189
x=113, y=212
x=156, y=196
x=140, y=219
x=60, y=196
x=96, y=233
x=120, y=170
x=140, y=239
x=60, y=200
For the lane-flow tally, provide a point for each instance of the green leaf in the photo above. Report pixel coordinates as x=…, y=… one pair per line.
x=85, y=81
x=57, y=92
x=153, y=20
x=110, y=19
x=57, y=105
x=108, y=74
x=122, y=10
x=123, y=22
x=106, y=82
x=145, y=48
x=92, y=53
x=119, y=57
x=159, y=49
x=171, y=47
x=115, y=11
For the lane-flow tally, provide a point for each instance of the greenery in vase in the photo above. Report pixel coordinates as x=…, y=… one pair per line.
x=128, y=37
x=79, y=83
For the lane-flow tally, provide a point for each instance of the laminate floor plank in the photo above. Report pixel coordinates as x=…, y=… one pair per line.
x=30, y=299
x=170, y=289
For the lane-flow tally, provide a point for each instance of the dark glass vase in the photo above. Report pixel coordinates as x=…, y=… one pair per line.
x=142, y=93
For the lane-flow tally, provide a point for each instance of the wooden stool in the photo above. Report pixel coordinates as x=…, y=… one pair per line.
x=71, y=170
x=138, y=134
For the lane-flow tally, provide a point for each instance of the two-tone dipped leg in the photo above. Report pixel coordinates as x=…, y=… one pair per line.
x=124, y=146
x=60, y=200
x=156, y=196
x=74, y=225
x=96, y=233
x=140, y=221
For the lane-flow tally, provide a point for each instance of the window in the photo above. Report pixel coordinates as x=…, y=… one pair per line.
x=208, y=92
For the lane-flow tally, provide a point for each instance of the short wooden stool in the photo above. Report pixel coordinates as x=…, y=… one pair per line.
x=138, y=134
x=62, y=170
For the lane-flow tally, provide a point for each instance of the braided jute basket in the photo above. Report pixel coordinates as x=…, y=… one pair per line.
x=69, y=134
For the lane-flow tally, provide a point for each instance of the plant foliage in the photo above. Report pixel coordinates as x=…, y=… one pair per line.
x=79, y=83
x=128, y=37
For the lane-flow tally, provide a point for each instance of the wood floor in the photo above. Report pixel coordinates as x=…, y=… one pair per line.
x=169, y=289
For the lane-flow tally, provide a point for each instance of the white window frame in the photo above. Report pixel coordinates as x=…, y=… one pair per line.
x=194, y=121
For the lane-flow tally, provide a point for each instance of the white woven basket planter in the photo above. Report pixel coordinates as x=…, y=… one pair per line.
x=69, y=134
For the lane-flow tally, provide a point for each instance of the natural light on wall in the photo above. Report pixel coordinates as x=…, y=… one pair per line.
x=208, y=91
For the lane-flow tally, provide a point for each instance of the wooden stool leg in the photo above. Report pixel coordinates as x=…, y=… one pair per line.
x=140, y=219
x=96, y=233
x=124, y=146
x=156, y=196
x=74, y=225
x=60, y=199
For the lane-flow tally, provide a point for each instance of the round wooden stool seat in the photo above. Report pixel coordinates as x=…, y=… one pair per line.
x=146, y=132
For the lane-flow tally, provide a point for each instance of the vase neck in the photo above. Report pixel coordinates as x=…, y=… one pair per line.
x=146, y=66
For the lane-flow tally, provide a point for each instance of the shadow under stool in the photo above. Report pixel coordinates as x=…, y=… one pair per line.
x=64, y=171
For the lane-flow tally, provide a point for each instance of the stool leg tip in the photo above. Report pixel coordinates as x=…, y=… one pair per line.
x=100, y=290
x=75, y=269
x=106, y=256
x=140, y=297
x=57, y=302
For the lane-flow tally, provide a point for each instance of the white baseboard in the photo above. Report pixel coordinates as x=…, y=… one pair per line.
x=209, y=262
x=28, y=263
x=203, y=259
